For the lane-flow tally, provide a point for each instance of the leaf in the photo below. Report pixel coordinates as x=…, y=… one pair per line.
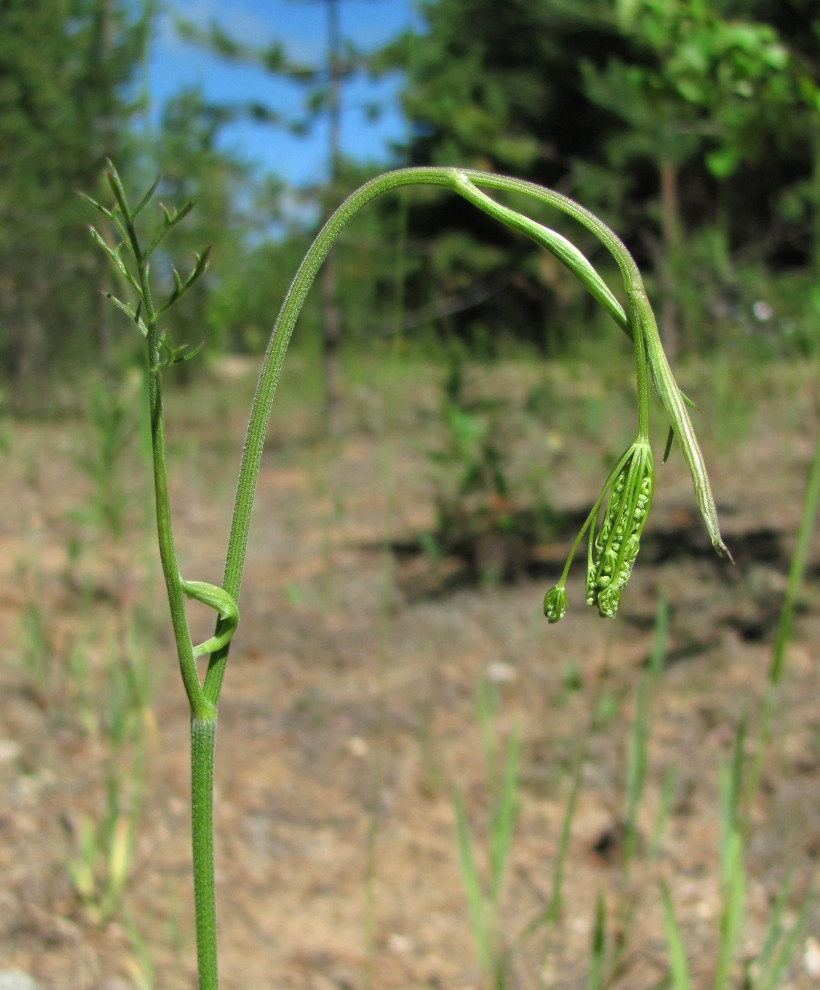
x=113, y=253
x=564, y=250
x=115, y=182
x=180, y=286
x=133, y=314
x=174, y=355
x=146, y=198
x=108, y=214
x=723, y=162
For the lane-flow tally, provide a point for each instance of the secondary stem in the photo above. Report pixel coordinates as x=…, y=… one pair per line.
x=167, y=552
x=203, y=712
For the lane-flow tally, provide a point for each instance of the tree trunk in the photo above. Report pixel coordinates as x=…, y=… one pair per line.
x=331, y=324
x=671, y=234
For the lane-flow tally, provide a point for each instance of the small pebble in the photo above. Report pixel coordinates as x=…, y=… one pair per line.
x=16, y=979
x=501, y=673
x=9, y=750
x=811, y=956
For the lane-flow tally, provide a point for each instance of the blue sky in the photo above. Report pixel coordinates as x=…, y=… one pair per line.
x=301, y=26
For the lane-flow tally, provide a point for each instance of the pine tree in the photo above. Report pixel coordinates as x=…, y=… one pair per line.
x=498, y=87
x=65, y=71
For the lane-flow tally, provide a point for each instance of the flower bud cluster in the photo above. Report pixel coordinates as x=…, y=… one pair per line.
x=613, y=549
x=555, y=603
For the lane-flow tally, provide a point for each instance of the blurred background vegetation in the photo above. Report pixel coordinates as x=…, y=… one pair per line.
x=691, y=126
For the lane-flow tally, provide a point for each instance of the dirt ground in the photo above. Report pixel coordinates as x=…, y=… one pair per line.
x=348, y=715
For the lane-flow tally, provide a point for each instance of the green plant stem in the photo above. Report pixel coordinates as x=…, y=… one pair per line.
x=203, y=738
x=167, y=552
x=643, y=387
x=200, y=707
x=203, y=712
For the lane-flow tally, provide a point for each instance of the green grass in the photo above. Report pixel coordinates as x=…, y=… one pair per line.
x=484, y=893
x=739, y=789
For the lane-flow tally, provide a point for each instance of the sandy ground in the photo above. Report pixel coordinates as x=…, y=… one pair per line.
x=348, y=716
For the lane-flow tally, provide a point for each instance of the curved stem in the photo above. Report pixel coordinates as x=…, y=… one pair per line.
x=455, y=179
x=462, y=181
x=271, y=369
x=641, y=317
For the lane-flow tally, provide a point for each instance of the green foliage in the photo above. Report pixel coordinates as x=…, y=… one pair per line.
x=478, y=473
x=643, y=109
x=470, y=465
x=113, y=417
x=797, y=571
x=36, y=651
x=105, y=844
x=765, y=969
x=483, y=895
x=65, y=69
x=700, y=84
x=739, y=785
x=596, y=976
x=678, y=966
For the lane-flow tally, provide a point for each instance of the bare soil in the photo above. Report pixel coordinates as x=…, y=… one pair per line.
x=348, y=715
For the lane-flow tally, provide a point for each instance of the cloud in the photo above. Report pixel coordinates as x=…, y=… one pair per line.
x=249, y=23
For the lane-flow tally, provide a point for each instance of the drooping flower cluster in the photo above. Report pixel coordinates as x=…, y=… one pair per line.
x=614, y=547
x=612, y=551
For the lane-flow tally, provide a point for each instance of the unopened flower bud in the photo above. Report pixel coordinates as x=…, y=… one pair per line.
x=555, y=603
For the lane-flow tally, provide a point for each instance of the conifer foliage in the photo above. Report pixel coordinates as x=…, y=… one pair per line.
x=67, y=99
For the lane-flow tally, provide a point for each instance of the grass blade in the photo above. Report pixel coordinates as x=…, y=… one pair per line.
x=678, y=967
x=732, y=912
x=668, y=788
x=502, y=824
x=660, y=632
x=472, y=885
x=553, y=912
x=596, y=976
